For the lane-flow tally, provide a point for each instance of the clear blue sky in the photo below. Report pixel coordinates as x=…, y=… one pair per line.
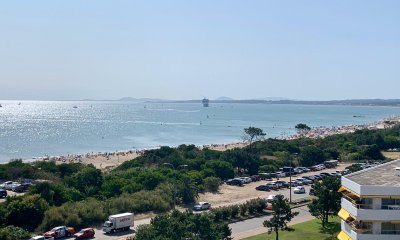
x=189, y=49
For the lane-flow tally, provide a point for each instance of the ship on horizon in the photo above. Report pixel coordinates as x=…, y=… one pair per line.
x=205, y=102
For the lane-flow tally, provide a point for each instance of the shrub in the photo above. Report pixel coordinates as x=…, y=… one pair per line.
x=234, y=211
x=243, y=209
x=13, y=233
x=226, y=212
x=211, y=184
x=217, y=214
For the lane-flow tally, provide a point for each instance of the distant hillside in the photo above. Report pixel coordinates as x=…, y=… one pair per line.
x=223, y=98
x=352, y=102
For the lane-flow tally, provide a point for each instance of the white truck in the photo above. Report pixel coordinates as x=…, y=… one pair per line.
x=118, y=222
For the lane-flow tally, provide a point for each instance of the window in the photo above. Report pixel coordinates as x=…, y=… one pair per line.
x=390, y=228
x=390, y=203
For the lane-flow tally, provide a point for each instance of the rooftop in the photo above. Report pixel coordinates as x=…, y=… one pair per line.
x=381, y=175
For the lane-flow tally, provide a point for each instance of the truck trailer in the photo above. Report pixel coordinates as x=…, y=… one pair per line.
x=118, y=222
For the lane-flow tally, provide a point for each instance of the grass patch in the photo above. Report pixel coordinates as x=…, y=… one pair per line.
x=391, y=155
x=311, y=230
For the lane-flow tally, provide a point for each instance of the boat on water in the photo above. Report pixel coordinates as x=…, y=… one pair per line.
x=206, y=102
x=75, y=107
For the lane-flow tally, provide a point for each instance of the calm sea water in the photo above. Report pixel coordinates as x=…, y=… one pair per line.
x=38, y=128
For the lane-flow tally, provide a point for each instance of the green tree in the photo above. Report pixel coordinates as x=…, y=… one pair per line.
x=88, y=180
x=253, y=134
x=311, y=155
x=26, y=212
x=327, y=202
x=186, y=225
x=302, y=128
x=281, y=216
x=221, y=169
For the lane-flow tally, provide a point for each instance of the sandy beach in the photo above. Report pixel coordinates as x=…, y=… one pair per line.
x=105, y=160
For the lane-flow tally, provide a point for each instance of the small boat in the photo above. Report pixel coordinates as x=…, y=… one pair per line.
x=75, y=107
x=1, y=106
x=19, y=103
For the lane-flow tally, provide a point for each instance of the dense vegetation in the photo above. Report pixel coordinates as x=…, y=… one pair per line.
x=79, y=195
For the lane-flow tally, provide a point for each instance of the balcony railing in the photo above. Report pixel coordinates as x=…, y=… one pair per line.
x=390, y=232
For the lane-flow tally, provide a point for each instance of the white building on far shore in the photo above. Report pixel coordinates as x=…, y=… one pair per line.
x=371, y=204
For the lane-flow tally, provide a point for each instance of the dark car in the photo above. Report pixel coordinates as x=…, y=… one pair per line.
x=311, y=178
x=283, y=184
x=234, y=182
x=263, y=188
x=3, y=193
x=255, y=178
x=325, y=174
x=22, y=187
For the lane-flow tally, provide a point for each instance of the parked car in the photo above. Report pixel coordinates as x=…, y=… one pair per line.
x=293, y=183
x=272, y=185
x=255, y=178
x=3, y=193
x=4, y=184
x=234, y=182
x=10, y=185
x=304, y=169
x=311, y=178
x=265, y=176
x=84, y=233
x=325, y=174
x=317, y=177
x=202, y=206
x=297, y=170
x=245, y=179
x=280, y=175
x=270, y=198
x=41, y=238
x=306, y=181
x=299, y=182
x=21, y=187
x=263, y=187
x=283, y=184
x=60, y=232
x=299, y=190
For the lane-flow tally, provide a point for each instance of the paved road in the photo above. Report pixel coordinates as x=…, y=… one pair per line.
x=255, y=226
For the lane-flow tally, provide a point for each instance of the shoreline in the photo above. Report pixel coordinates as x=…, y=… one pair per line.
x=104, y=160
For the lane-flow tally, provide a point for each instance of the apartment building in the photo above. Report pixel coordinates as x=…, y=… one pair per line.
x=371, y=203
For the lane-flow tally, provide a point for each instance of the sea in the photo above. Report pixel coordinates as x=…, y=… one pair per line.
x=30, y=129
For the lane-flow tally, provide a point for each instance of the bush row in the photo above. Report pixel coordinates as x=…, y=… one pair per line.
x=239, y=210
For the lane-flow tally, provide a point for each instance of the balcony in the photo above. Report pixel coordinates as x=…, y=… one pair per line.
x=367, y=213
x=361, y=232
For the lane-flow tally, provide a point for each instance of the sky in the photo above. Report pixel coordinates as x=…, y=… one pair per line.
x=93, y=49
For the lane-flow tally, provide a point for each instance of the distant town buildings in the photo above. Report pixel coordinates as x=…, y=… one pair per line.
x=371, y=204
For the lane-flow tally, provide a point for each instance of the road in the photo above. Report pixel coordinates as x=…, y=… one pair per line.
x=255, y=226
x=239, y=230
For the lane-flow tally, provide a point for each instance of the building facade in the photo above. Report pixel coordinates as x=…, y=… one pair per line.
x=371, y=204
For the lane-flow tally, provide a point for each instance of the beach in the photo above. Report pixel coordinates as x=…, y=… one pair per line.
x=106, y=160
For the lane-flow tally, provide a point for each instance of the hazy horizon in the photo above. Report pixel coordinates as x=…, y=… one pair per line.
x=182, y=50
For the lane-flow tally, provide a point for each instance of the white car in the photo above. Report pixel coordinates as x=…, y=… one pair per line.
x=202, y=206
x=270, y=198
x=41, y=238
x=245, y=179
x=299, y=190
